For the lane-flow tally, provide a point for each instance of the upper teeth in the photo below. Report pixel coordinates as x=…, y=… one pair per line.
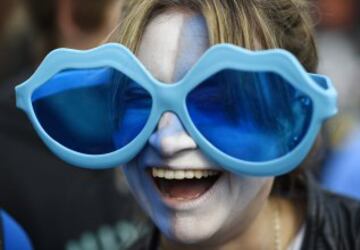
x=182, y=174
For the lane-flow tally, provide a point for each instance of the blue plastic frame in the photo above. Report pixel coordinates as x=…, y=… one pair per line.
x=172, y=97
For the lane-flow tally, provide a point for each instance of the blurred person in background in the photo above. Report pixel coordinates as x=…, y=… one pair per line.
x=15, y=36
x=60, y=207
x=338, y=39
x=339, y=58
x=12, y=236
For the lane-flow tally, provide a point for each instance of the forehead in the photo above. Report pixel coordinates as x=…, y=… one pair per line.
x=172, y=43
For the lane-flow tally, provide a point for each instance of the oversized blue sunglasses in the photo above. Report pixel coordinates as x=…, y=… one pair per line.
x=254, y=113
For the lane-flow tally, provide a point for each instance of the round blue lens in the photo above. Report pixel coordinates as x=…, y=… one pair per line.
x=251, y=116
x=92, y=111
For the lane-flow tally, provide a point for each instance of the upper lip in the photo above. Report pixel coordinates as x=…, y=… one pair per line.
x=174, y=167
x=189, y=160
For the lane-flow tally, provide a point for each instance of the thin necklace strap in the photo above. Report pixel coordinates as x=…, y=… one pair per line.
x=277, y=226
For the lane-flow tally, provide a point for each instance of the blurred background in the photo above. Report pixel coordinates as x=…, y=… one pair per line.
x=62, y=207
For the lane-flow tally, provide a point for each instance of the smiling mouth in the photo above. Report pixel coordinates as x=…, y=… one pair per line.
x=184, y=184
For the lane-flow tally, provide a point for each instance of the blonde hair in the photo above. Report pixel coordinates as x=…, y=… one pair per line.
x=283, y=24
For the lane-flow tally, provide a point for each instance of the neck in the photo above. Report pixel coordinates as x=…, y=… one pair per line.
x=261, y=233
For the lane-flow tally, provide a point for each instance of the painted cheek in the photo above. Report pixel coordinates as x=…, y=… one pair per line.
x=147, y=196
x=143, y=190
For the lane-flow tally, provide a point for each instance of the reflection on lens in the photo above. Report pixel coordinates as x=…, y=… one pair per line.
x=252, y=116
x=92, y=111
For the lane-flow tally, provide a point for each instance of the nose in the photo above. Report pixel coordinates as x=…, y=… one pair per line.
x=170, y=137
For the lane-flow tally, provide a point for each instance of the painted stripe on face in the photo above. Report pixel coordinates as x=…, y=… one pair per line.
x=160, y=44
x=193, y=42
x=171, y=45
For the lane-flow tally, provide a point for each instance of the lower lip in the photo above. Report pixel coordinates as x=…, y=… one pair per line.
x=183, y=204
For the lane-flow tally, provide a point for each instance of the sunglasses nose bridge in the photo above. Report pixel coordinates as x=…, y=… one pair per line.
x=170, y=98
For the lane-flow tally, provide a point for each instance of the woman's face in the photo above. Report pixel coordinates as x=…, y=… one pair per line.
x=187, y=209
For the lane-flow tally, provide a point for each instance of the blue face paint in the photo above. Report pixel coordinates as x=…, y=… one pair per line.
x=193, y=42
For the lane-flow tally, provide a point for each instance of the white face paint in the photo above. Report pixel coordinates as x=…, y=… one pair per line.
x=172, y=43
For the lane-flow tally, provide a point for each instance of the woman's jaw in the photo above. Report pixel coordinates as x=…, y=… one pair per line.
x=194, y=210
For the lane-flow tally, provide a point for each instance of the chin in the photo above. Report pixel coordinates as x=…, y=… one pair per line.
x=196, y=229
